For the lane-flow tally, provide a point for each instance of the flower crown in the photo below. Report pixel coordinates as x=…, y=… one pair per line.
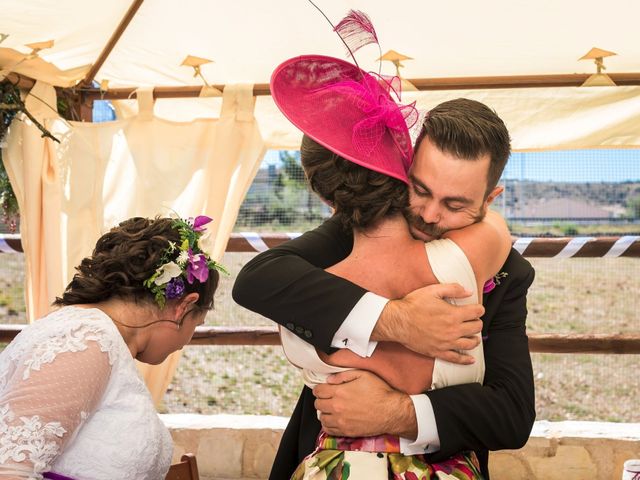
x=182, y=261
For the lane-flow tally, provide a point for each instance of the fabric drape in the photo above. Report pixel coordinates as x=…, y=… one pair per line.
x=99, y=174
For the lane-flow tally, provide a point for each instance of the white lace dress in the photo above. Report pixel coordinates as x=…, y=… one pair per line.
x=72, y=402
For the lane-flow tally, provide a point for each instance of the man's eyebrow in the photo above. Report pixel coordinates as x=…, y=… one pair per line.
x=463, y=200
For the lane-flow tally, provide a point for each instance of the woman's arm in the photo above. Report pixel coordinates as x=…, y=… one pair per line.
x=42, y=408
x=486, y=245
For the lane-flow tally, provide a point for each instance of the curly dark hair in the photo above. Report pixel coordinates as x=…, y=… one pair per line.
x=123, y=259
x=361, y=196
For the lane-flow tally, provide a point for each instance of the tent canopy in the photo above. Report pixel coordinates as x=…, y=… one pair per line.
x=246, y=39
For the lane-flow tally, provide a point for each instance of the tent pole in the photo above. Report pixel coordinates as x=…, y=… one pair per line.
x=124, y=23
x=450, y=83
x=422, y=84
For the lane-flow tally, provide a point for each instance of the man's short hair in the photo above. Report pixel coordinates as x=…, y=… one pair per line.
x=469, y=129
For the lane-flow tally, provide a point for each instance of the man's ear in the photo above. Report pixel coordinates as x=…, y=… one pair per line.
x=494, y=193
x=185, y=304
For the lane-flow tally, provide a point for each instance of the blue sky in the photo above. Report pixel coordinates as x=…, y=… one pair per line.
x=560, y=166
x=575, y=166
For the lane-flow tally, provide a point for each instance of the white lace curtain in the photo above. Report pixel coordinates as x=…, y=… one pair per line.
x=99, y=174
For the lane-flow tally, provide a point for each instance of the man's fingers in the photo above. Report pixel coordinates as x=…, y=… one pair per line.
x=471, y=327
x=467, y=343
x=343, y=377
x=469, y=313
x=322, y=405
x=456, y=357
x=450, y=290
x=323, y=391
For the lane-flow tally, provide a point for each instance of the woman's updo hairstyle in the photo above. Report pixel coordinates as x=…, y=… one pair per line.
x=123, y=259
x=361, y=196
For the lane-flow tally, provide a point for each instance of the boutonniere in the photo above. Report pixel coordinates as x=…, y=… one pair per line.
x=493, y=282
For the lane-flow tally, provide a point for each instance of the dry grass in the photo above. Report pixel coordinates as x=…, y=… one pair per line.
x=572, y=295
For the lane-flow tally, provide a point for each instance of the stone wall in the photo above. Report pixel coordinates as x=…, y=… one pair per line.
x=231, y=447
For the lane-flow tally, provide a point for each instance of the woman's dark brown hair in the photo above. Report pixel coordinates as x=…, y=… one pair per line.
x=123, y=259
x=361, y=196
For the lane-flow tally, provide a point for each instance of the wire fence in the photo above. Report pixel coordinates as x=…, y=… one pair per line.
x=587, y=193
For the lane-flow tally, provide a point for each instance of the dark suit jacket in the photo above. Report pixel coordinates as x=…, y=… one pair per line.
x=284, y=284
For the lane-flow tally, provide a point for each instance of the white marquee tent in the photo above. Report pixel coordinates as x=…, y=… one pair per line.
x=199, y=155
x=246, y=39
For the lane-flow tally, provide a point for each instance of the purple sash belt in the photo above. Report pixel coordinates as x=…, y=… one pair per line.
x=56, y=476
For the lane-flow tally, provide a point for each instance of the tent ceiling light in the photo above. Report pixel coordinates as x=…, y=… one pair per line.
x=37, y=46
x=598, y=79
x=196, y=63
x=193, y=61
x=396, y=58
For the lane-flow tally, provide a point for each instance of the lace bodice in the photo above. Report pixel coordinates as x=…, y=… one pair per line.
x=72, y=402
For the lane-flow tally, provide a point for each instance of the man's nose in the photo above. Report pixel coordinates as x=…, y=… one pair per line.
x=431, y=212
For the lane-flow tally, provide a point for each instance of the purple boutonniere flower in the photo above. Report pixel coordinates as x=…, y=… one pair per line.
x=197, y=268
x=488, y=286
x=200, y=221
x=493, y=282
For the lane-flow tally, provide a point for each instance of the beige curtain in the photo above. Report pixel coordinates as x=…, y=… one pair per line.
x=34, y=173
x=100, y=174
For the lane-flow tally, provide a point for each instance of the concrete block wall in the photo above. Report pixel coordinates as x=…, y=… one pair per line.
x=242, y=447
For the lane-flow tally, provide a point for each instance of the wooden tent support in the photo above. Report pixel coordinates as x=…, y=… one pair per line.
x=268, y=335
x=122, y=26
x=422, y=84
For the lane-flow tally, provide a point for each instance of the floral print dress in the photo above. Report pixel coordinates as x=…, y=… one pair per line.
x=341, y=458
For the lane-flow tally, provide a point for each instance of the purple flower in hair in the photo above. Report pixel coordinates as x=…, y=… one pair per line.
x=175, y=288
x=197, y=268
x=199, y=222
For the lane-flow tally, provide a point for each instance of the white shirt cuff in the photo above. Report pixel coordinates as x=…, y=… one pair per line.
x=355, y=331
x=428, y=439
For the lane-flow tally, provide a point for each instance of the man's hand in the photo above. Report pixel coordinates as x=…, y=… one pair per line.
x=425, y=323
x=357, y=403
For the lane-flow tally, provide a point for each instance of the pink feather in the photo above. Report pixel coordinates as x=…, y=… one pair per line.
x=356, y=30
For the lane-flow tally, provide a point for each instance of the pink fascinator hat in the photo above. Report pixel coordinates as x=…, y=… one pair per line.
x=348, y=111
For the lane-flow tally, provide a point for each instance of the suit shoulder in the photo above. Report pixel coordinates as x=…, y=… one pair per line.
x=518, y=268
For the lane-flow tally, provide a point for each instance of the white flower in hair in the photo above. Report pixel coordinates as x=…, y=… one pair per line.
x=183, y=258
x=167, y=272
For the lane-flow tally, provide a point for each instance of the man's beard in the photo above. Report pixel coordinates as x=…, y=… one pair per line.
x=434, y=230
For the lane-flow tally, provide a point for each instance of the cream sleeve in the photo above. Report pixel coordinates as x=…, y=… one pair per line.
x=450, y=265
x=45, y=400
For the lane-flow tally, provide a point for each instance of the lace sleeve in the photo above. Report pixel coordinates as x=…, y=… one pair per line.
x=41, y=408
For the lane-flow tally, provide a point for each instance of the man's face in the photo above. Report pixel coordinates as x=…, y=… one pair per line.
x=446, y=192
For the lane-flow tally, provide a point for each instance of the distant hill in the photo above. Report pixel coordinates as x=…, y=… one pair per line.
x=605, y=194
